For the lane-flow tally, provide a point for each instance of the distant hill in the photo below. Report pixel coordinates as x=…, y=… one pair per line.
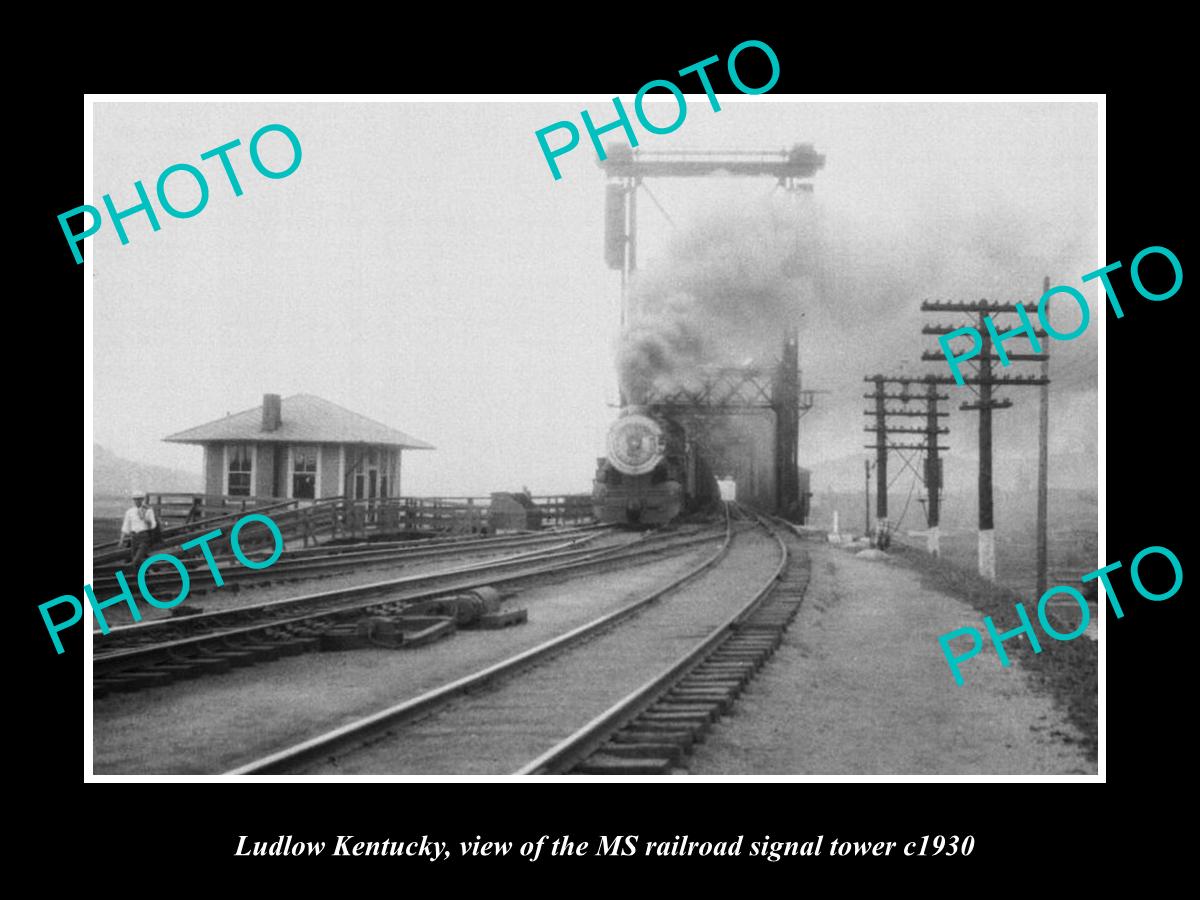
x=837, y=485
x=1071, y=471
x=113, y=476
x=1069, y=510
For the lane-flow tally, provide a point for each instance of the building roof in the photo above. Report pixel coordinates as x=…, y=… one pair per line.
x=306, y=419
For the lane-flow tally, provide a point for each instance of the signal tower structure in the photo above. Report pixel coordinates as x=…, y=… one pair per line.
x=722, y=391
x=729, y=390
x=627, y=169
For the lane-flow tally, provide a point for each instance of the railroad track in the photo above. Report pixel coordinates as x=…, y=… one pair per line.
x=160, y=651
x=675, y=706
x=303, y=563
x=650, y=731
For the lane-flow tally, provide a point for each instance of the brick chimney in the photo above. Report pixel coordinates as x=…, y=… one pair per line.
x=272, y=412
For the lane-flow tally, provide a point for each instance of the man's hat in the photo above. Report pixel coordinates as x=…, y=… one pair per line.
x=136, y=494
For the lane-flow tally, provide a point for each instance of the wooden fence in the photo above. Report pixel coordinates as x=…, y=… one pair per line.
x=307, y=522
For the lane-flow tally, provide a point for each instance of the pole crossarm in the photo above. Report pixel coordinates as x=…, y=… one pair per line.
x=906, y=397
x=902, y=429
x=986, y=306
x=1016, y=380
x=903, y=412
x=991, y=404
x=946, y=329
x=930, y=356
x=898, y=379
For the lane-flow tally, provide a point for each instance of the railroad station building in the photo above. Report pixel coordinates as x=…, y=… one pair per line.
x=300, y=447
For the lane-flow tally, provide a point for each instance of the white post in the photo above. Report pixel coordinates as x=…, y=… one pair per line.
x=987, y=553
x=932, y=537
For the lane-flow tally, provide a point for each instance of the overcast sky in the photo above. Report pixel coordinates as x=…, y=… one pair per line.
x=423, y=268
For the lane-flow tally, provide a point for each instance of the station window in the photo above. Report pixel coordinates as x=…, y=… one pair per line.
x=304, y=472
x=241, y=467
x=371, y=474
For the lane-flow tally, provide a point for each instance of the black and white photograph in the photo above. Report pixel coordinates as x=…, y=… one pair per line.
x=503, y=437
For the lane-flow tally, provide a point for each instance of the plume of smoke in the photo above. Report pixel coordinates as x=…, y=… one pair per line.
x=850, y=281
x=731, y=284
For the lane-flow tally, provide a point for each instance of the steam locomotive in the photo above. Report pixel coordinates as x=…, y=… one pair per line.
x=652, y=473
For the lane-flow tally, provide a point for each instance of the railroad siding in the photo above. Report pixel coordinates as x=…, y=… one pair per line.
x=497, y=731
x=212, y=724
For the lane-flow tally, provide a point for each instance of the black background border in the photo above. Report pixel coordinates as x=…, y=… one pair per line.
x=1146, y=402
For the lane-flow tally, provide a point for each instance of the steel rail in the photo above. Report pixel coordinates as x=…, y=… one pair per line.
x=417, y=546
x=170, y=650
x=286, y=569
x=211, y=619
x=571, y=751
x=240, y=612
x=355, y=732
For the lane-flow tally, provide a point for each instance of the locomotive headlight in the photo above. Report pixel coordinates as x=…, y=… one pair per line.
x=635, y=444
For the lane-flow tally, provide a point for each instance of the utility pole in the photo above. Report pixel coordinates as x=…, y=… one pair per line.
x=881, y=487
x=933, y=471
x=987, y=518
x=867, y=494
x=930, y=430
x=985, y=381
x=1043, y=468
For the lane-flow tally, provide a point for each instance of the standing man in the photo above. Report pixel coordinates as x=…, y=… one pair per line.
x=139, y=523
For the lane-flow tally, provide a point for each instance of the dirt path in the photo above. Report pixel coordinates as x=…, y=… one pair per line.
x=860, y=686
